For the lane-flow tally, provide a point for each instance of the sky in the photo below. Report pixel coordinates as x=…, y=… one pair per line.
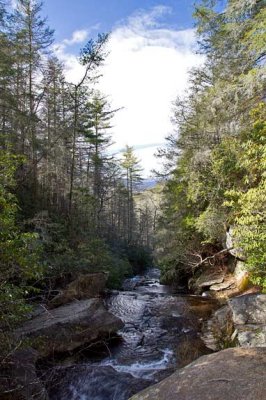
x=151, y=48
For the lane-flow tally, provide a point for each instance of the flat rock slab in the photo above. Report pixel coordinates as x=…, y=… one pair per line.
x=68, y=327
x=227, y=283
x=232, y=374
x=209, y=278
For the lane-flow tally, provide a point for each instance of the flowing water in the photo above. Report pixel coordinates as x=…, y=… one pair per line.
x=158, y=337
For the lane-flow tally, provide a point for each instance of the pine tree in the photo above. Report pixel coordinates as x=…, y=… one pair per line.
x=31, y=39
x=132, y=174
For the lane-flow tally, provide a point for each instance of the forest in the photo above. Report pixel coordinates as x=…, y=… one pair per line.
x=215, y=161
x=66, y=203
x=68, y=206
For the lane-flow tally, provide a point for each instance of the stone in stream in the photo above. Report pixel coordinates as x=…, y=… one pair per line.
x=92, y=382
x=66, y=328
x=232, y=374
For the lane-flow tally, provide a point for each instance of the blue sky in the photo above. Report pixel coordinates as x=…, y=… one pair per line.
x=151, y=49
x=66, y=16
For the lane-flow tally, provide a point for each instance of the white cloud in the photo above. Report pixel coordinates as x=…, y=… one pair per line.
x=147, y=67
x=77, y=37
x=73, y=70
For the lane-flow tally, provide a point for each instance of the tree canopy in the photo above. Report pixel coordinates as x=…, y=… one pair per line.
x=218, y=179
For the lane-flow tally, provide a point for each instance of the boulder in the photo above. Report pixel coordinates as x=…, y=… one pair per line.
x=219, y=331
x=229, y=374
x=18, y=377
x=222, y=283
x=207, y=278
x=242, y=321
x=252, y=335
x=229, y=282
x=249, y=309
x=66, y=328
x=249, y=318
x=83, y=287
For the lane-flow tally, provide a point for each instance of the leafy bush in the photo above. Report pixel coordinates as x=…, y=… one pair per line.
x=19, y=255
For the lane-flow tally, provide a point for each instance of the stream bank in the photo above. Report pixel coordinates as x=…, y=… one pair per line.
x=113, y=348
x=93, y=348
x=160, y=334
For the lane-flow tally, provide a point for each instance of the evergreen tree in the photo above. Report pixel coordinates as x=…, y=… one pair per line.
x=132, y=168
x=213, y=123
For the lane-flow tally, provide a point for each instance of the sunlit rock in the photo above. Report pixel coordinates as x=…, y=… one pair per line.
x=229, y=374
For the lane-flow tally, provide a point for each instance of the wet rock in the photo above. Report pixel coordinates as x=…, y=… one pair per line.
x=84, y=287
x=18, y=377
x=189, y=348
x=229, y=374
x=177, y=324
x=91, y=382
x=68, y=327
x=202, y=307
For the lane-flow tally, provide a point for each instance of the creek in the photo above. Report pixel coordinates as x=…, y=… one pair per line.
x=161, y=334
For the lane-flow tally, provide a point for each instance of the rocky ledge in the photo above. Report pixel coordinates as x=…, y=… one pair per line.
x=68, y=327
x=237, y=373
x=80, y=320
x=241, y=322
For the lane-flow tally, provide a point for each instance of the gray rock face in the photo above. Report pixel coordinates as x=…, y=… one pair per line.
x=219, y=332
x=249, y=318
x=209, y=278
x=243, y=319
x=226, y=284
x=84, y=287
x=232, y=374
x=249, y=309
x=68, y=327
x=252, y=335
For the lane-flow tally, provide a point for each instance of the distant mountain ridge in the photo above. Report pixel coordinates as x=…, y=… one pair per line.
x=147, y=184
